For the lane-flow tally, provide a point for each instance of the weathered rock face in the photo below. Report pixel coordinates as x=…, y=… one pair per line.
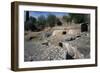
x=38, y=52
x=72, y=51
x=63, y=31
x=50, y=46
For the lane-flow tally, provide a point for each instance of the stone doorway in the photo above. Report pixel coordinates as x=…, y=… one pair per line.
x=84, y=27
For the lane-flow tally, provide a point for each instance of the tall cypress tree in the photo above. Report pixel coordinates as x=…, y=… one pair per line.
x=27, y=15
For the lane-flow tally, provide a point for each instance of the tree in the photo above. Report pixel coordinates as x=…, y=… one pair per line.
x=41, y=22
x=27, y=15
x=79, y=18
x=51, y=20
x=67, y=19
x=30, y=24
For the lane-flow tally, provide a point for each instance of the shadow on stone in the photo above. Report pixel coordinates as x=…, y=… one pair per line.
x=60, y=44
x=68, y=56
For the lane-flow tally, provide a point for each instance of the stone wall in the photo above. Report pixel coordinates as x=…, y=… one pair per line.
x=68, y=30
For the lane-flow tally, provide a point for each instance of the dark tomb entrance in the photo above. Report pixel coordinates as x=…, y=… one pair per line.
x=64, y=32
x=84, y=27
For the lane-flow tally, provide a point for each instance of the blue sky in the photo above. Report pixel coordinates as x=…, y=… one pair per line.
x=38, y=13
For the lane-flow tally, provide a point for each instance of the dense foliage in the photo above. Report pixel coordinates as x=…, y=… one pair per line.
x=77, y=18
x=51, y=20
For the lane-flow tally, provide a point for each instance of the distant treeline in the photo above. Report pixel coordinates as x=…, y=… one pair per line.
x=38, y=24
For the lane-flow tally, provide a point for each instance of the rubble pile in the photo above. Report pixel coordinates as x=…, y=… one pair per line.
x=48, y=47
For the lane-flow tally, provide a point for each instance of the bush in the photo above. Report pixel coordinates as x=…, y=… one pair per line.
x=30, y=24
x=51, y=20
x=41, y=23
